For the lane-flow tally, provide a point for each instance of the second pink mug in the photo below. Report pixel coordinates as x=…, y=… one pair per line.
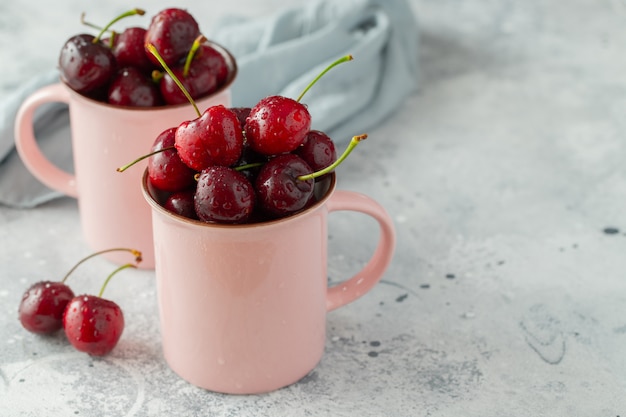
x=112, y=210
x=243, y=307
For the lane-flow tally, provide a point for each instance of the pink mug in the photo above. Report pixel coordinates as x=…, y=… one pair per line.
x=112, y=210
x=243, y=307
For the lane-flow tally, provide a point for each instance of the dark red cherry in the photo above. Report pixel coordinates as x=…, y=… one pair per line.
x=131, y=87
x=242, y=114
x=42, y=306
x=198, y=82
x=214, y=62
x=128, y=49
x=224, y=195
x=317, y=150
x=172, y=32
x=86, y=65
x=182, y=203
x=277, y=125
x=279, y=191
x=166, y=171
x=215, y=138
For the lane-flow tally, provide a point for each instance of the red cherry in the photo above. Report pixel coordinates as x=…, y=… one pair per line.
x=279, y=190
x=172, y=31
x=42, y=306
x=93, y=324
x=215, y=138
x=317, y=150
x=86, y=63
x=214, y=62
x=166, y=171
x=182, y=203
x=276, y=125
x=129, y=51
x=130, y=87
x=198, y=82
x=224, y=195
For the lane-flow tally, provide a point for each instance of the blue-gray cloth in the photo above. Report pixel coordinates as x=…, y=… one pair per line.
x=279, y=54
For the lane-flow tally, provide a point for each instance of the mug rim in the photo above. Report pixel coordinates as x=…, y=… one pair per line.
x=232, y=75
x=328, y=190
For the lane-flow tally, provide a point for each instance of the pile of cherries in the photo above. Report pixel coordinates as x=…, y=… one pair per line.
x=243, y=165
x=120, y=70
x=92, y=324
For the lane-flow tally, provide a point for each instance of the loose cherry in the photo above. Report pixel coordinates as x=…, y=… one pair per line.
x=172, y=31
x=93, y=324
x=42, y=305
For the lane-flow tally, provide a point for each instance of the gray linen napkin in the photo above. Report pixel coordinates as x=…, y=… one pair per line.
x=279, y=54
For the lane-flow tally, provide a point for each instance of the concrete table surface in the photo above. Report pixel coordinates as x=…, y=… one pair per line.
x=506, y=178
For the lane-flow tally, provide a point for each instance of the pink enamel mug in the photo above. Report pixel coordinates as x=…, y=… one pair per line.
x=243, y=307
x=112, y=210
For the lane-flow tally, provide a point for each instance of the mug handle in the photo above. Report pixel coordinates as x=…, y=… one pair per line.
x=26, y=143
x=363, y=281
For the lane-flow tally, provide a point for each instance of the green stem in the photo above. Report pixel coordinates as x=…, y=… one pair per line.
x=132, y=12
x=355, y=141
x=192, y=53
x=141, y=158
x=133, y=251
x=328, y=68
x=152, y=49
x=106, y=281
x=248, y=166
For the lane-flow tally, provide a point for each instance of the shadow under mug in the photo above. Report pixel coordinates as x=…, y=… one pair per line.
x=112, y=210
x=243, y=307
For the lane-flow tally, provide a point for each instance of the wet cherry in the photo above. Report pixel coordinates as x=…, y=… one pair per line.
x=86, y=63
x=42, y=306
x=130, y=87
x=129, y=51
x=166, y=171
x=317, y=150
x=224, y=195
x=182, y=203
x=172, y=31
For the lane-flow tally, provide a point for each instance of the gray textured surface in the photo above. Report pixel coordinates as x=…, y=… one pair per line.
x=507, y=295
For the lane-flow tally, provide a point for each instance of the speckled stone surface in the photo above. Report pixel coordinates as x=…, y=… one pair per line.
x=506, y=178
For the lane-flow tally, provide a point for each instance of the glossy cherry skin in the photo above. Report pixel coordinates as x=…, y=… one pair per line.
x=198, y=82
x=277, y=125
x=279, y=191
x=92, y=324
x=42, y=306
x=130, y=87
x=215, y=138
x=129, y=51
x=86, y=65
x=224, y=195
x=172, y=32
x=317, y=150
x=214, y=62
x=242, y=114
x=166, y=171
x=182, y=203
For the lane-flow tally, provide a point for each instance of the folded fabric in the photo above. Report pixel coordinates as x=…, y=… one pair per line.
x=280, y=54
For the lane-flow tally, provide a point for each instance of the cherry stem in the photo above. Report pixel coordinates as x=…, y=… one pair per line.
x=355, y=141
x=86, y=23
x=192, y=53
x=106, y=281
x=152, y=49
x=133, y=251
x=248, y=166
x=341, y=60
x=141, y=158
x=132, y=12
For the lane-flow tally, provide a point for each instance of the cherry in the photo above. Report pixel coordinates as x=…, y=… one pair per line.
x=214, y=138
x=85, y=63
x=42, y=305
x=182, y=203
x=172, y=31
x=277, y=125
x=279, y=191
x=166, y=171
x=130, y=87
x=224, y=195
x=285, y=184
x=242, y=114
x=128, y=49
x=198, y=82
x=93, y=324
x=213, y=61
x=317, y=150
